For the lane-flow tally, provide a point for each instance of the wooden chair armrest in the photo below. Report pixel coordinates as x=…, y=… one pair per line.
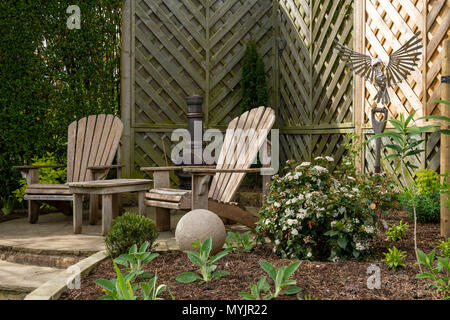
x=101, y=168
x=213, y=171
x=174, y=168
x=25, y=168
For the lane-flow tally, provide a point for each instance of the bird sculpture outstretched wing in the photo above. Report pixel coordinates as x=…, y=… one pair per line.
x=360, y=63
x=400, y=65
x=403, y=61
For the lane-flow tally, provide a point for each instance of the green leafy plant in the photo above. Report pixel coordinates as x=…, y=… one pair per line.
x=117, y=289
x=394, y=258
x=127, y=230
x=236, y=242
x=123, y=289
x=8, y=205
x=426, y=205
x=46, y=175
x=254, y=86
x=397, y=232
x=281, y=281
x=256, y=291
x=135, y=259
x=406, y=140
x=205, y=263
x=427, y=181
x=149, y=291
x=307, y=297
x=438, y=272
x=444, y=248
x=310, y=213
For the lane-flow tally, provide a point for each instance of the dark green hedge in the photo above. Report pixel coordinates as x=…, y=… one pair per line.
x=51, y=75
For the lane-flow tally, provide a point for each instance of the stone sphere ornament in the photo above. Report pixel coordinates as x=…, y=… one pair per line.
x=200, y=225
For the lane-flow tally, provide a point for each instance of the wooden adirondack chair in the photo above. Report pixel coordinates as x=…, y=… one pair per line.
x=244, y=138
x=92, y=146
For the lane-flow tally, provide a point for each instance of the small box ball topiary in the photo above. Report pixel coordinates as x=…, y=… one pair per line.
x=127, y=230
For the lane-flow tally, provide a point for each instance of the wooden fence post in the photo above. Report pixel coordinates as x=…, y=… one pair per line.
x=445, y=139
x=359, y=86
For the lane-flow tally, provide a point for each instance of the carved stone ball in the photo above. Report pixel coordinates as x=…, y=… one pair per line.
x=200, y=225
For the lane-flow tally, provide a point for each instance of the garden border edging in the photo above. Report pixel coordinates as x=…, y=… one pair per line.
x=52, y=289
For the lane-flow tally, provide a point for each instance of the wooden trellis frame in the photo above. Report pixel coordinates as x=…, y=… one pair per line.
x=383, y=26
x=175, y=48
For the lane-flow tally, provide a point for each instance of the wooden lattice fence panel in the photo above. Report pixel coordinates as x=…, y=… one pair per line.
x=389, y=24
x=231, y=24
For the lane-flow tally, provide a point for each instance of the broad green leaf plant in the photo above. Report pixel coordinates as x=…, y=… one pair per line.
x=439, y=271
x=204, y=262
x=281, y=281
x=135, y=259
x=406, y=140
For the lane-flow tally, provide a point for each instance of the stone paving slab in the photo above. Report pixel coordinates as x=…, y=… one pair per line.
x=24, y=278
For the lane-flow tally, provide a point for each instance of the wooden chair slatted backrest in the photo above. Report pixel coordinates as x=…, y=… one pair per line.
x=92, y=141
x=244, y=137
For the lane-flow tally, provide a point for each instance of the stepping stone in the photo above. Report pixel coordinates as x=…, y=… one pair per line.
x=17, y=280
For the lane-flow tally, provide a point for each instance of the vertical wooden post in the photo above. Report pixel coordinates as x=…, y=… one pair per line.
x=77, y=213
x=445, y=139
x=33, y=206
x=359, y=91
x=161, y=179
x=126, y=86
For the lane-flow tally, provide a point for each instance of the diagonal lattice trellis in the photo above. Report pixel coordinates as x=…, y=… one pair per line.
x=315, y=88
x=389, y=24
x=186, y=47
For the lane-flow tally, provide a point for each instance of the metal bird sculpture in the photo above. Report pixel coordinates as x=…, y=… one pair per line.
x=399, y=67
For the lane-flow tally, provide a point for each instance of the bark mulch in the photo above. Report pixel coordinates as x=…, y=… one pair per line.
x=322, y=280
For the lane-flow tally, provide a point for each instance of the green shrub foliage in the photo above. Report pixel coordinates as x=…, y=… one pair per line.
x=310, y=214
x=254, y=86
x=127, y=230
x=50, y=76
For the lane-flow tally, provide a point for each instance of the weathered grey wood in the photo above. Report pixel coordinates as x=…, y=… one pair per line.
x=161, y=179
x=77, y=213
x=233, y=212
x=177, y=168
x=90, y=130
x=81, y=131
x=138, y=183
x=72, y=134
x=49, y=197
x=141, y=204
x=162, y=216
x=200, y=191
x=107, y=212
x=93, y=209
x=33, y=207
x=47, y=189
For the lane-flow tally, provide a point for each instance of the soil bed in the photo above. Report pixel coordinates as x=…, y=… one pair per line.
x=322, y=280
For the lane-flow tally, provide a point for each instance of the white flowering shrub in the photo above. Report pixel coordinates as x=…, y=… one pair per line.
x=310, y=214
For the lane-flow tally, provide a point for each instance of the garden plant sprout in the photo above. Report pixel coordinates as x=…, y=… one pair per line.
x=135, y=259
x=394, y=258
x=281, y=281
x=239, y=243
x=205, y=263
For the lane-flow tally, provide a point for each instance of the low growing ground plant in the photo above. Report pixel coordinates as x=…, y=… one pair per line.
x=123, y=289
x=280, y=277
x=438, y=272
x=128, y=230
x=394, y=258
x=204, y=262
x=444, y=248
x=135, y=260
x=397, y=232
x=235, y=242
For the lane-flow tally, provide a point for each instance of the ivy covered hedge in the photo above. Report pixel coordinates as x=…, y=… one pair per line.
x=51, y=75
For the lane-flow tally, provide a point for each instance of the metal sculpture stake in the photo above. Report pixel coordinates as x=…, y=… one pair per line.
x=399, y=67
x=378, y=127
